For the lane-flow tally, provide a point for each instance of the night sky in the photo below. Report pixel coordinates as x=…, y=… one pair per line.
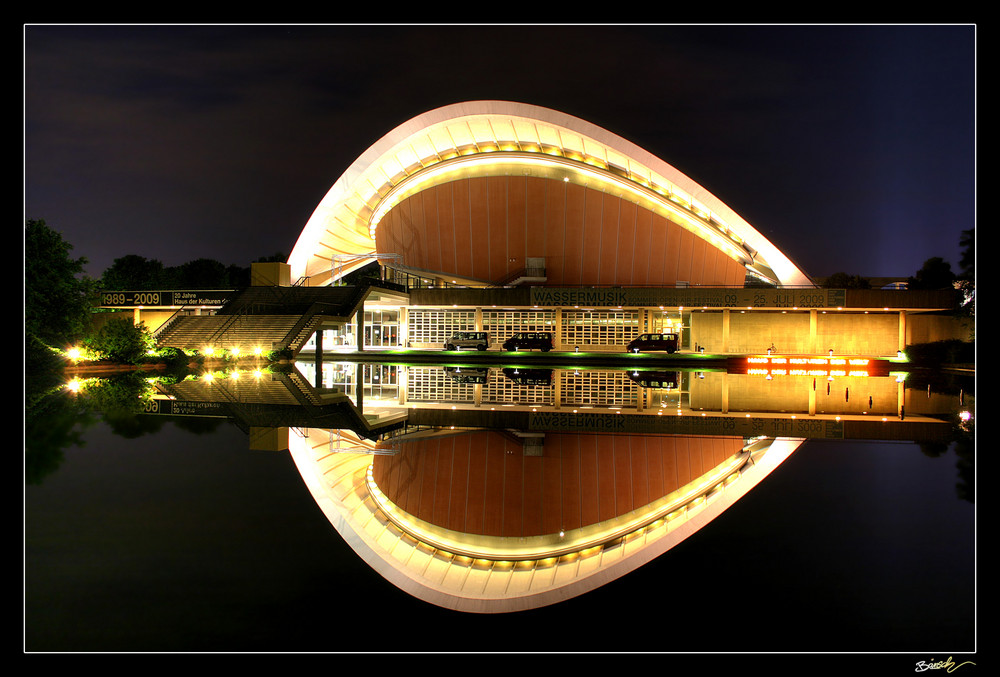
x=850, y=147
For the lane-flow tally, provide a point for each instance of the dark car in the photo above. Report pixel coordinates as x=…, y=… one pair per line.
x=480, y=340
x=667, y=342
x=468, y=375
x=667, y=380
x=529, y=340
x=529, y=377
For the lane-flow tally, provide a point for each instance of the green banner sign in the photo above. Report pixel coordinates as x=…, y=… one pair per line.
x=165, y=299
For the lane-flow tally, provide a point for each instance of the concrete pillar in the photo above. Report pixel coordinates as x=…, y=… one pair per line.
x=813, y=331
x=402, y=379
x=725, y=330
x=359, y=325
x=725, y=393
x=557, y=333
x=479, y=319
x=319, y=357
x=902, y=330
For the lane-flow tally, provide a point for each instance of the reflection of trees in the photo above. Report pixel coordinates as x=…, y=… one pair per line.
x=131, y=425
x=961, y=386
x=199, y=426
x=934, y=449
x=55, y=418
x=963, y=441
x=965, y=449
x=119, y=395
x=52, y=424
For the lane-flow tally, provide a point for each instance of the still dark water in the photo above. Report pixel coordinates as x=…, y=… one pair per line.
x=180, y=541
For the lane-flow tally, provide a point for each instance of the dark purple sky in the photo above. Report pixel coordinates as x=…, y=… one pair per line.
x=851, y=147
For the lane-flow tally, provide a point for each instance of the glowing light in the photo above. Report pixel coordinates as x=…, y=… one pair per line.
x=809, y=366
x=74, y=354
x=685, y=215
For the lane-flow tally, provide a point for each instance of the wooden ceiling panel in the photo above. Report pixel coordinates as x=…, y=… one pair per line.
x=486, y=228
x=481, y=482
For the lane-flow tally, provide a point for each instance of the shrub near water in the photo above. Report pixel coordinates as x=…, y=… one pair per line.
x=121, y=340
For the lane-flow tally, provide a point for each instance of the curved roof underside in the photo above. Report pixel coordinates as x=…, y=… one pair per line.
x=469, y=573
x=482, y=136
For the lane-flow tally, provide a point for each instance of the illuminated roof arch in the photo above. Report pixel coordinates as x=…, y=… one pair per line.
x=480, y=136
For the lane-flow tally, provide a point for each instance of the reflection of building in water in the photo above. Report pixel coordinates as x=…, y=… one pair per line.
x=648, y=392
x=499, y=508
x=490, y=483
x=367, y=397
x=489, y=522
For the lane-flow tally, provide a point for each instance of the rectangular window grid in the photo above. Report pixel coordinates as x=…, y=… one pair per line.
x=598, y=388
x=501, y=390
x=433, y=384
x=502, y=324
x=438, y=325
x=599, y=327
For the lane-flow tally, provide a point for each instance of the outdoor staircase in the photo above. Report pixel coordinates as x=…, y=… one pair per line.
x=272, y=318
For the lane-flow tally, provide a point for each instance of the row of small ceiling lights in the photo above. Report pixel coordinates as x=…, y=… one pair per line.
x=670, y=193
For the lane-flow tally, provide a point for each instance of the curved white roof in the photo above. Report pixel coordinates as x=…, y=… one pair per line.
x=344, y=223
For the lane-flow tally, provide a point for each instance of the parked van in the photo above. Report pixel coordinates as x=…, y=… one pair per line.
x=479, y=340
x=529, y=340
x=468, y=375
x=668, y=342
x=664, y=380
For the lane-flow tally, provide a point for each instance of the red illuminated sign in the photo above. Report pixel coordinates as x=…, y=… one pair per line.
x=813, y=365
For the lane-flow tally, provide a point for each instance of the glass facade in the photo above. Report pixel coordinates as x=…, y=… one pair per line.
x=382, y=328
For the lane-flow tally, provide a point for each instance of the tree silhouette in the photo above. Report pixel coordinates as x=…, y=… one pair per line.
x=56, y=293
x=935, y=274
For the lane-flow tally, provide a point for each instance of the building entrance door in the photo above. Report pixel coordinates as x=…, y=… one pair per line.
x=381, y=328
